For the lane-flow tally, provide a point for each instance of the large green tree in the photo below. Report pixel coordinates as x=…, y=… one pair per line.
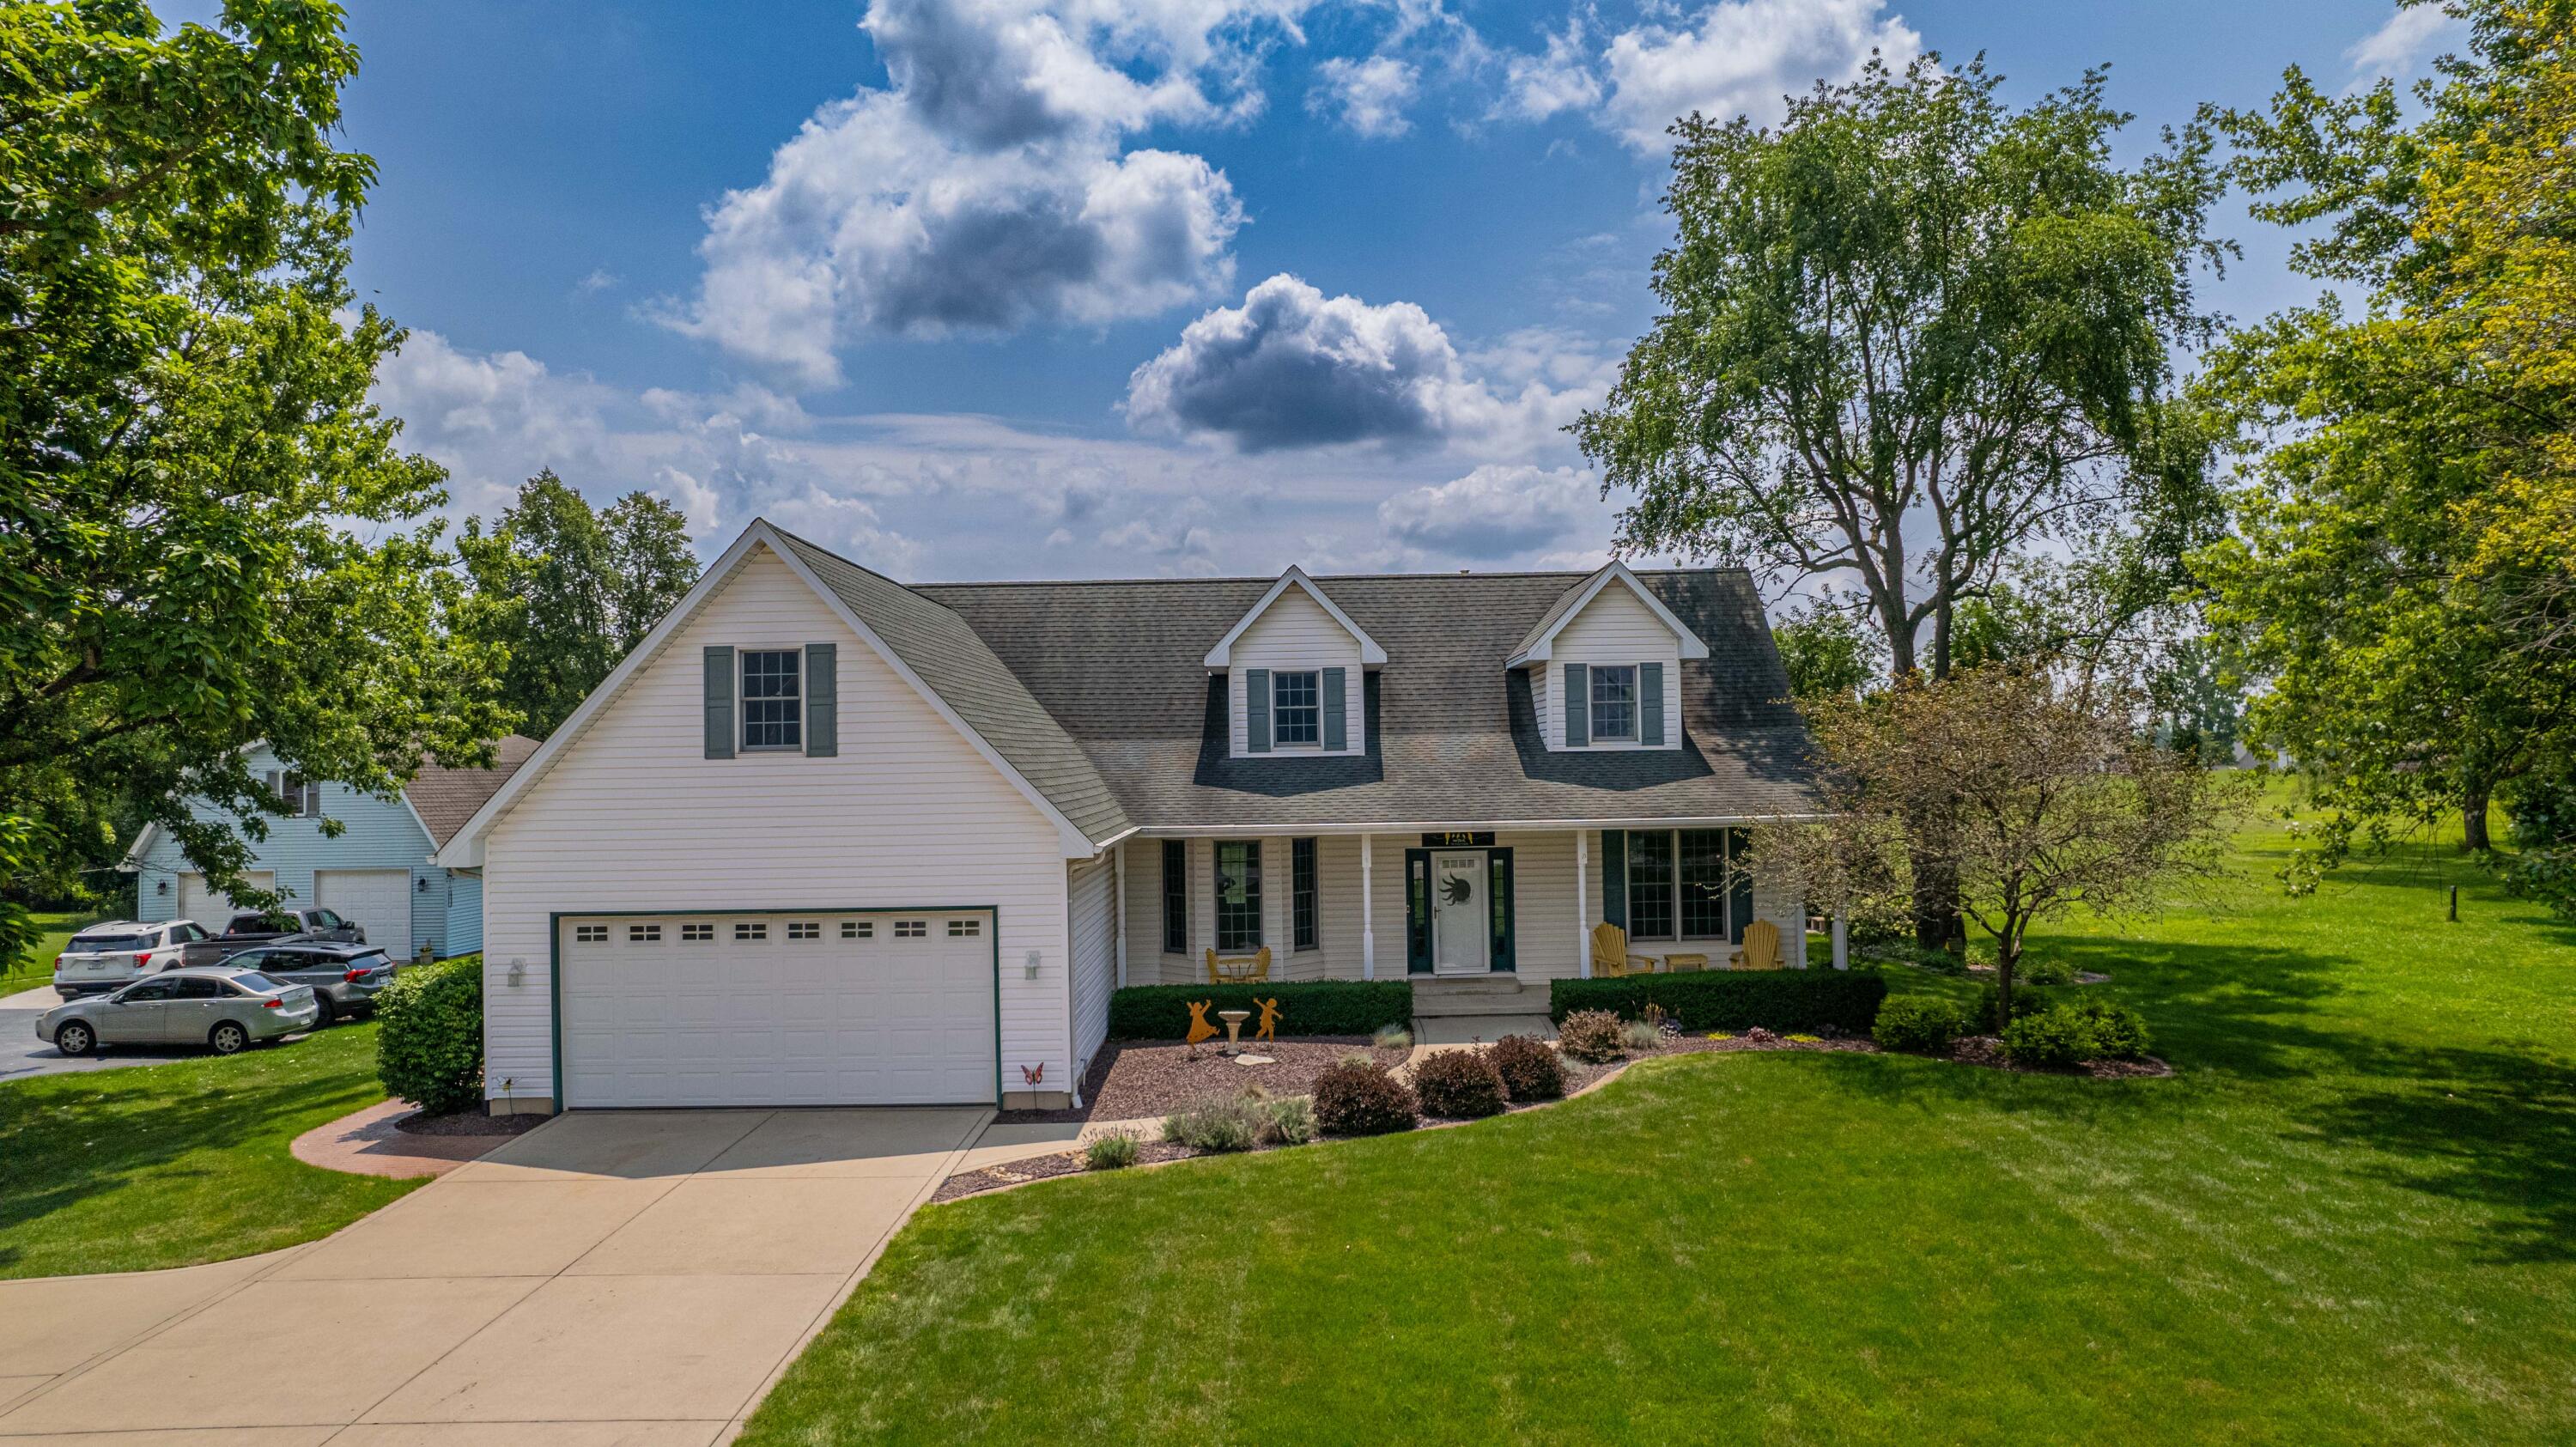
x=2398, y=582
x=208, y=536
x=567, y=590
x=1913, y=337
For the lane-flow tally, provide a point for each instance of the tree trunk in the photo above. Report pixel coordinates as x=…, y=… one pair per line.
x=1936, y=905
x=2473, y=821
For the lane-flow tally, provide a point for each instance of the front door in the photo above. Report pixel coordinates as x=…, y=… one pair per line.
x=1462, y=939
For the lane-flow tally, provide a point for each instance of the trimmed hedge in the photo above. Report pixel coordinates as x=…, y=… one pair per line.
x=1313, y=1007
x=429, y=1049
x=1781, y=1000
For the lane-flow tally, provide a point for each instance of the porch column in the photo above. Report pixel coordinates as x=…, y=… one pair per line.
x=1582, y=906
x=1842, y=939
x=1368, y=931
x=1118, y=886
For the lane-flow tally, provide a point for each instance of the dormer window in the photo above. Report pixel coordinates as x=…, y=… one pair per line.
x=1614, y=701
x=1296, y=709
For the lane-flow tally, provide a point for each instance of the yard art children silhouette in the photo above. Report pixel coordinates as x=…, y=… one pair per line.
x=1269, y=1020
x=1200, y=1029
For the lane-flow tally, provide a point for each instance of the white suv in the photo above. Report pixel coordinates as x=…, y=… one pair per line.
x=112, y=955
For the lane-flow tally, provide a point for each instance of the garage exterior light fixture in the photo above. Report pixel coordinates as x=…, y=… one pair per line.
x=1029, y=963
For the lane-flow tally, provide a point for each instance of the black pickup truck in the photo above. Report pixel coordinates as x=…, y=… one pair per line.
x=252, y=927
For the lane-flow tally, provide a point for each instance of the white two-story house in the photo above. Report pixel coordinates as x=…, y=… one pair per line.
x=827, y=839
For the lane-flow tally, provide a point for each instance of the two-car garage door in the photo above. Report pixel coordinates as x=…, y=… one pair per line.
x=777, y=1009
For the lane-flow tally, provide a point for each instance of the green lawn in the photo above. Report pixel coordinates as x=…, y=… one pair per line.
x=170, y=1164
x=36, y=967
x=2351, y=1218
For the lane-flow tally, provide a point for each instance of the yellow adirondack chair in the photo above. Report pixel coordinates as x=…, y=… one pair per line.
x=1761, y=946
x=1238, y=969
x=1610, y=957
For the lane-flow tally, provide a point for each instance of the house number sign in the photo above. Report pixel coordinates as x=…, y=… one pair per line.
x=1458, y=839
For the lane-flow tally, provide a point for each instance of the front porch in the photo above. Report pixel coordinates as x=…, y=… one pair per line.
x=1440, y=905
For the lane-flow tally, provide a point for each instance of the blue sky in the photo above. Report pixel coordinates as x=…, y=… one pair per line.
x=986, y=288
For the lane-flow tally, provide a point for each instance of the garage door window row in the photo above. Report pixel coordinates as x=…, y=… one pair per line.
x=757, y=931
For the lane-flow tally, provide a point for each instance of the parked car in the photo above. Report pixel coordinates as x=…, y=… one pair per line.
x=344, y=978
x=259, y=927
x=225, y=1010
x=109, y=956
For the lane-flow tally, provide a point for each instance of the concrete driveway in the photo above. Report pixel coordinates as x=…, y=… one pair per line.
x=611, y=1278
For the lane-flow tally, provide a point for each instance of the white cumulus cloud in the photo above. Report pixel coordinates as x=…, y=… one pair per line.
x=2404, y=41
x=1293, y=368
x=1496, y=511
x=1368, y=95
x=1740, y=57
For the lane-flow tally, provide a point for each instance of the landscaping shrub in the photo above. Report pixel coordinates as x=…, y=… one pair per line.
x=1924, y=1024
x=1216, y=1125
x=1458, y=1084
x=1594, y=1035
x=1361, y=1097
x=1641, y=1036
x=2044, y=973
x=1392, y=1037
x=429, y=1050
x=1315, y=1007
x=1987, y=1014
x=1707, y=1000
x=2119, y=1033
x=1288, y=1121
x=1529, y=1069
x=2050, y=1039
x=1113, y=1152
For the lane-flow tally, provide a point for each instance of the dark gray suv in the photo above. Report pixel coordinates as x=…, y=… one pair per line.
x=345, y=979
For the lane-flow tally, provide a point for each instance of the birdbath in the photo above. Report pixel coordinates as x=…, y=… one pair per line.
x=1233, y=1027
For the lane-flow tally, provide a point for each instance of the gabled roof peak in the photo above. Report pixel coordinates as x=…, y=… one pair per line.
x=1537, y=644
x=1221, y=656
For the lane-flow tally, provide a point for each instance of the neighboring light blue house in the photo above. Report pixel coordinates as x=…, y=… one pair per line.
x=376, y=872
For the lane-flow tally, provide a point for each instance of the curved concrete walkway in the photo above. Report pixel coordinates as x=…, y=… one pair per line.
x=635, y=1278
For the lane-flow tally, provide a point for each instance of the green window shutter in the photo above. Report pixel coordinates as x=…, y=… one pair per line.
x=1614, y=877
x=1578, y=706
x=822, y=701
x=1337, y=733
x=1739, y=886
x=1417, y=911
x=719, y=702
x=1501, y=886
x=1256, y=710
x=1650, y=703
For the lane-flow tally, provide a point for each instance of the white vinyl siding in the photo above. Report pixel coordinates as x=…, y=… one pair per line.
x=1615, y=628
x=1090, y=886
x=633, y=818
x=1295, y=634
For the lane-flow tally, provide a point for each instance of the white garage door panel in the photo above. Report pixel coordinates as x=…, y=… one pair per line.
x=878, y=1021
x=378, y=899
x=210, y=909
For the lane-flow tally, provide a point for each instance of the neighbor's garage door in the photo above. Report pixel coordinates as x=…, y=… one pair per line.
x=822, y=1009
x=210, y=909
x=379, y=900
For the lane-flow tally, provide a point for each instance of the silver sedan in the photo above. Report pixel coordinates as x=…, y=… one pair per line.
x=224, y=1010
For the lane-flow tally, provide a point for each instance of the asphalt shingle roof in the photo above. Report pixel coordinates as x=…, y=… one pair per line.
x=445, y=798
x=1452, y=739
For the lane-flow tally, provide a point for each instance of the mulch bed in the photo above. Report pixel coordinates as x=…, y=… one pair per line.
x=467, y=1122
x=1160, y=1078
x=1137, y=1078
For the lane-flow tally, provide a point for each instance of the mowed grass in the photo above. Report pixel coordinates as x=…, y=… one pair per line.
x=2350, y=1218
x=36, y=967
x=172, y=1164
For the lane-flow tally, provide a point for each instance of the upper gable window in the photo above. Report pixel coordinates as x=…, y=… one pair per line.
x=1296, y=708
x=772, y=699
x=1614, y=701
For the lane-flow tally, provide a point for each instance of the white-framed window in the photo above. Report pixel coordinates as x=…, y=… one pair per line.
x=773, y=698
x=1614, y=701
x=644, y=934
x=912, y=929
x=965, y=929
x=1682, y=885
x=751, y=930
x=858, y=929
x=697, y=934
x=301, y=796
x=590, y=934
x=1296, y=709
x=803, y=930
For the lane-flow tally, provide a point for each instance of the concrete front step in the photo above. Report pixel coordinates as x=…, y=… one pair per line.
x=1477, y=996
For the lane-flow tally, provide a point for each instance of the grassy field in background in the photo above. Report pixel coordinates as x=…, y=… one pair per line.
x=36, y=967
x=2351, y=1217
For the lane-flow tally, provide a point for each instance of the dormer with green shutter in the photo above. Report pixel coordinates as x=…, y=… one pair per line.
x=1294, y=665
x=1605, y=666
